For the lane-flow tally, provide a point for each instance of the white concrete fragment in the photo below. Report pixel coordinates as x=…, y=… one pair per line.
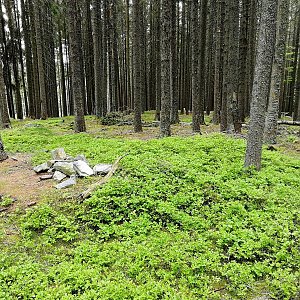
x=69, y=182
x=58, y=154
x=41, y=168
x=59, y=176
x=64, y=167
x=102, y=169
x=82, y=168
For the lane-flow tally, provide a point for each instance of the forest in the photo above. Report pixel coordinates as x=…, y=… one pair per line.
x=149, y=149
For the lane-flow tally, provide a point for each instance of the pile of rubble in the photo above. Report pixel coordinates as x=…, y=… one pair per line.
x=64, y=169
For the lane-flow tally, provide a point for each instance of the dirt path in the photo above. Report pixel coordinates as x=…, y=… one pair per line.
x=19, y=181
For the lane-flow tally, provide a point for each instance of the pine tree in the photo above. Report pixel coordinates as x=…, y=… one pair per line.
x=42, y=102
x=165, y=122
x=137, y=64
x=74, y=26
x=277, y=72
x=261, y=85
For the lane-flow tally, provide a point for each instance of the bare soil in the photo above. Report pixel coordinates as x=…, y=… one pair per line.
x=20, y=182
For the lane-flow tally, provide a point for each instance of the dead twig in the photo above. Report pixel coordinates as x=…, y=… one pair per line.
x=87, y=193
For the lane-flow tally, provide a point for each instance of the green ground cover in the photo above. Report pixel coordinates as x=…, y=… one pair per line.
x=181, y=219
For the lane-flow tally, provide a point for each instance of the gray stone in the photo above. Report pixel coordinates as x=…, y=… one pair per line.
x=64, y=167
x=51, y=162
x=58, y=154
x=69, y=158
x=59, y=176
x=41, y=168
x=102, y=169
x=46, y=177
x=80, y=157
x=69, y=182
x=82, y=168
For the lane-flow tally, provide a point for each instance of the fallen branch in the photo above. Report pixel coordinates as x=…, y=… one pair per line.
x=87, y=193
x=293, y=123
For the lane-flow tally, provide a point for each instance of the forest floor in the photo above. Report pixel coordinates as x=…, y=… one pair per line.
x=179, y=220
x=21, y=183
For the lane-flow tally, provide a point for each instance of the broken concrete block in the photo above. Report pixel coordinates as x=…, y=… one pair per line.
x=58, y=154
x=102, y=169
x=59, y=176
x=69, y=182
x=41, y=168
x=46, y=177
x=64, y=167
x=82, y=168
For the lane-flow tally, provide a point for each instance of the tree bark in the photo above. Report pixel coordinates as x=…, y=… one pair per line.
x=277, y=72
x=3, y=154
x=196, y=79
x=157, y=22
x=218, y=63
x=296, y=87
x=137, y=64
x=28, y=56
x=41, y=71
x=98, y=56
x=74, y=26
x=261, y=85
x=243, y=49
x=88, y=53
x=165, y=128
x=14, y=49
x=297, y=94
x=3, y=105
x=174, y=65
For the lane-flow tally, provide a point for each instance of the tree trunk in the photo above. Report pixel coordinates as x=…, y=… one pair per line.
x=35, y=70
x=4, y=123
x=64, y=111
x=218, y=63
x=277, y=72
x=157, y=22
x=137, y=13
x=261, y=85
x=28, y=56
x=174, y=86
x=41, y=72
x=210, y=56
x=88, y=53
x=232, y=87
x=243, y=48
x=165, y=128
x=74, y=26
x=4, y=115
x=202, y=69
x=3, y=154
x=196, y=97
x=297, y=94
x=295, y=88
x=127, y=60
x=9, y=4
x=49, y=60
x=98, y=56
